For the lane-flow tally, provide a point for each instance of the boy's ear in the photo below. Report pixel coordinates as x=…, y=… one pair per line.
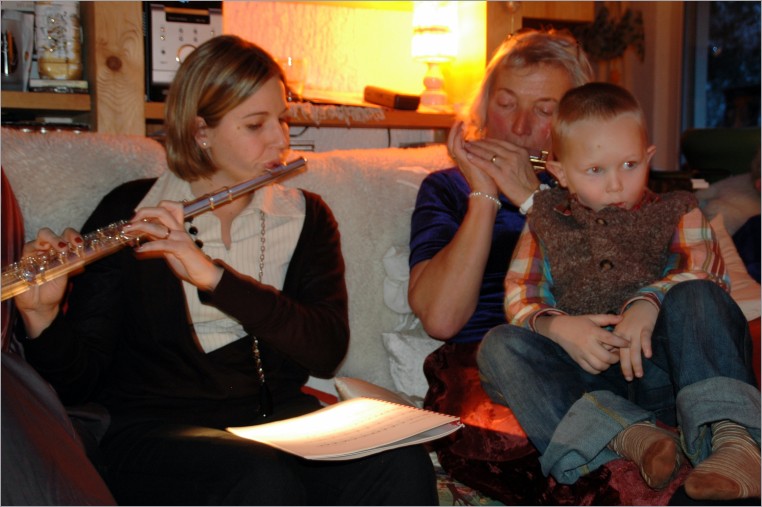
x=557, y=170
x=650, y=153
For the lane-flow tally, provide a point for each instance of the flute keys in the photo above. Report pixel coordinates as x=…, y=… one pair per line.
x=77, y=249
x=28, y=273
x=31, y=269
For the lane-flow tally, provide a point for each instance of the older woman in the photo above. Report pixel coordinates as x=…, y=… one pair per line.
x=464, y=228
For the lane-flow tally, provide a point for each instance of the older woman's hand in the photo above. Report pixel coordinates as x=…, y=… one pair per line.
x=506, y=164
x=478, y=180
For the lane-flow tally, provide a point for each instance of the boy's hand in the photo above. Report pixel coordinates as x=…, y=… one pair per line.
x=585, y=338
x=636, y=327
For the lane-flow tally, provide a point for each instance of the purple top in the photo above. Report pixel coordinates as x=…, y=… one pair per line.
x=439, y=210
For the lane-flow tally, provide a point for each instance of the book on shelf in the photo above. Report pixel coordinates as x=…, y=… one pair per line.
x=58, y=85
x=352, y=429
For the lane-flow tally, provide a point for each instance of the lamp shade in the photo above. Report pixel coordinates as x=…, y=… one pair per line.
x=434, y=27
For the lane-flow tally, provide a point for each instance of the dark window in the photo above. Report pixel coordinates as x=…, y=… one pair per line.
x=722, y=64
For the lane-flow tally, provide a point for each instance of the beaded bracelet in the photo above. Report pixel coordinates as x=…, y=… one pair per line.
x=486, y=196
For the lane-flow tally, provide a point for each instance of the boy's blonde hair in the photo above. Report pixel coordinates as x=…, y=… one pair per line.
x=215, y=78
x=592, y=101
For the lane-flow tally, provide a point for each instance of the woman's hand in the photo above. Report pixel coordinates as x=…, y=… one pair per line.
x=163, y=226
x=506, y=164
x=585, y=338
x=39, y=305
x=478, y=180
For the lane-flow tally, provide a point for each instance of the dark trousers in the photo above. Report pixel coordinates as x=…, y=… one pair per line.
x=169, y=464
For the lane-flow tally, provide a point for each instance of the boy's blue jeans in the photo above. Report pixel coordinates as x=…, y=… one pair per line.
x=700, y=372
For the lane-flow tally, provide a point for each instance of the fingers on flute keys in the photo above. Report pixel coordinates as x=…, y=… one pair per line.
x=47, y=239
x=150, y=227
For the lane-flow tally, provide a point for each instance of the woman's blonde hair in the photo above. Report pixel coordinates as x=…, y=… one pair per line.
x=530, y=48
x=215, y=78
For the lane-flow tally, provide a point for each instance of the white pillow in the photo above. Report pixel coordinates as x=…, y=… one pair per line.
x=743, y=288
x=396, y=280
x=349, y=388
x=408, y=345
x=407, y=351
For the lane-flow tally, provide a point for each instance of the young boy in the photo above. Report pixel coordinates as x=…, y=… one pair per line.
x=608, y=272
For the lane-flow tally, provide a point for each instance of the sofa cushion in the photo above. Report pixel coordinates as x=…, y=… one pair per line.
x=736, y=198
x=372, y=194
x=59, y=177
x=743, y=288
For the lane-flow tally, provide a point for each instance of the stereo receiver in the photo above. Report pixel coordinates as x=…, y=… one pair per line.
x=173, y=30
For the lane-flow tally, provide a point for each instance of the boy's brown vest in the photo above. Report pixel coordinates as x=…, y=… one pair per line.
x=598, y=260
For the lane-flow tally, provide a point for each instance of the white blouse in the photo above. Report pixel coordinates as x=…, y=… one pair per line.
x=284, y=218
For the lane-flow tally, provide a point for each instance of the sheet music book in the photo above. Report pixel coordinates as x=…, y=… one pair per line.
x=352, y=429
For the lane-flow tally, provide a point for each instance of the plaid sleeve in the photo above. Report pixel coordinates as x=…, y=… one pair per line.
x=694, y=254
x=528, y=282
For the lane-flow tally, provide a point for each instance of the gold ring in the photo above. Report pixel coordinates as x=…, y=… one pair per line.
x=494, y=158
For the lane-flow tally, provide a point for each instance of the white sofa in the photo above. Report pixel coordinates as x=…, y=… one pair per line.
x=59, y=177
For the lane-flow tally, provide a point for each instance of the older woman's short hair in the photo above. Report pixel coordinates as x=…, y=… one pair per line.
x=215, y=78
x=526, y=49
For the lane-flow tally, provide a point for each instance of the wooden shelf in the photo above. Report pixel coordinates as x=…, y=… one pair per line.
x=154, y=111
x=115, y=66
x=46, y=101
x=331, y=117
x=389, y=119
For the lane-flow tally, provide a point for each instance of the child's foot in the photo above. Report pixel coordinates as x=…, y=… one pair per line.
x=732, y=471
x=655, y=451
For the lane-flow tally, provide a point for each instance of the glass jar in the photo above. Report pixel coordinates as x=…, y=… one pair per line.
x=58, y=40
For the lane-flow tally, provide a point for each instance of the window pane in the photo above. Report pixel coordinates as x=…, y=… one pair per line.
x=733, y=65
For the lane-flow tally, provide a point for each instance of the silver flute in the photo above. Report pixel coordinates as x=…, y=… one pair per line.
x=42, y=267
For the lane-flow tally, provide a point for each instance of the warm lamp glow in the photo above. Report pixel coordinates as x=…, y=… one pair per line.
x=434, y=42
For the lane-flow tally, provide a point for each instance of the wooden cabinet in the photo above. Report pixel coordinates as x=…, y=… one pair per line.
x=114, y=63
x=504, y=18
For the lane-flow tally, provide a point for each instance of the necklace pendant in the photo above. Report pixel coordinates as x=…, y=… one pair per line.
x=265, y=401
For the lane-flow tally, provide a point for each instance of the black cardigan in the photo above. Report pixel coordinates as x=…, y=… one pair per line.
x=125, y=340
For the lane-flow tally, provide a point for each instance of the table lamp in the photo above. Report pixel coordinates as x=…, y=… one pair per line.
x=434, y=42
